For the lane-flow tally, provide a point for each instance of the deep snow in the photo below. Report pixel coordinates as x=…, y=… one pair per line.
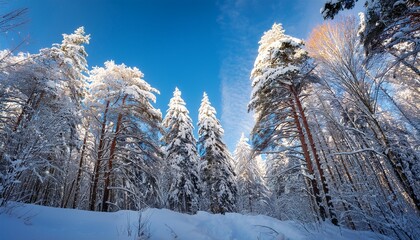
x=32, y=222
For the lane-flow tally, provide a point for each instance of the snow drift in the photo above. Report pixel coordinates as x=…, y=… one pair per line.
x=32, y=222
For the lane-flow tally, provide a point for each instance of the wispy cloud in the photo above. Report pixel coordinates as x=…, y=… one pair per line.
x=236, y=65
x=236, y=91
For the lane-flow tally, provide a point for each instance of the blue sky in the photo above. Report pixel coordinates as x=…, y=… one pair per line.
x=196, y=45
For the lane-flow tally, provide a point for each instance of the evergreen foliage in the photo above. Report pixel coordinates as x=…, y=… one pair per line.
x=252, y=192
x=181, y=157
x=216, y=162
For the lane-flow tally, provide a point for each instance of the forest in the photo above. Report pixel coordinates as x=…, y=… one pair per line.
x=336, y=135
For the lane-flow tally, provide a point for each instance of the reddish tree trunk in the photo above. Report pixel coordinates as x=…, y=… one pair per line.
x=324, y=145
x=111, y=158
x=316, y=157
x=307, y=157
x=98, y=162
x=23, y=112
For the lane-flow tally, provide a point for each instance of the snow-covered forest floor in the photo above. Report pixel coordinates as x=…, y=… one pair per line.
x=27, y=222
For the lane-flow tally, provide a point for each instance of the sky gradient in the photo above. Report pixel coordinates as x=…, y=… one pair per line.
x=196, y=45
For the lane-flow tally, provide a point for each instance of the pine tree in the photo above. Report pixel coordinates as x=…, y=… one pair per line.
x=281, y=71
x=127, y=133
x=181, y=157
x=252, y=191
x=216, y=167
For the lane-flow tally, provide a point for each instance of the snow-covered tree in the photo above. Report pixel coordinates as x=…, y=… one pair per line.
x=43, y=136
x=127, y=151
x=217, y=171
x=281, y=71
x=356, y=126
x=252, y=191
x=181, y=157
x=387, y=26
x=289, y=199
x=79, y=189
x=341, y=63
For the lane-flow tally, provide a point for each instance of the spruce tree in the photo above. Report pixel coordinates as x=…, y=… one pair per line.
x=252, y=191
x=181, y=157
x=216, y=167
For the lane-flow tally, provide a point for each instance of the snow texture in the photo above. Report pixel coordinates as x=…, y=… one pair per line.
x=32, y=222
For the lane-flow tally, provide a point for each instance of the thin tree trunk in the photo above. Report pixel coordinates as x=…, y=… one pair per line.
x=249, y=198
x=402, y=111
x=79, y=171
x=397, y=166
x=111, y=158
x=309, y=166
x=350, y=178
x=316, y=157
x=324, y=145
x=23, y=112
x=98, y=162
x=67, y=198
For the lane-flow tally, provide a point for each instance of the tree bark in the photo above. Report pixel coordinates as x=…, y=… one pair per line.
x=324, y=145
x=308, y=160
x=315, y=155
x=98, y=162
x=79, y=171
x=111, y=159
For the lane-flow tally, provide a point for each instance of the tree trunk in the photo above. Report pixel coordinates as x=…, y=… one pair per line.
x=111, y=158
x=67, y=198
x=250, y=198
x=309, y=166
x=397, y=166
x=79, y=171
x=98, y=162
x=23, y=112
x=316, y=157
x=324, y=145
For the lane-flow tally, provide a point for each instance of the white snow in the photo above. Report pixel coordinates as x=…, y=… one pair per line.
x=32, y=222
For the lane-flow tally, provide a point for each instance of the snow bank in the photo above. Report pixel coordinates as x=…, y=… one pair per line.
x=32, y=222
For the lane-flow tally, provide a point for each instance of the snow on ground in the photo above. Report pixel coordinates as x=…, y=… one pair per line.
x=32, y=222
